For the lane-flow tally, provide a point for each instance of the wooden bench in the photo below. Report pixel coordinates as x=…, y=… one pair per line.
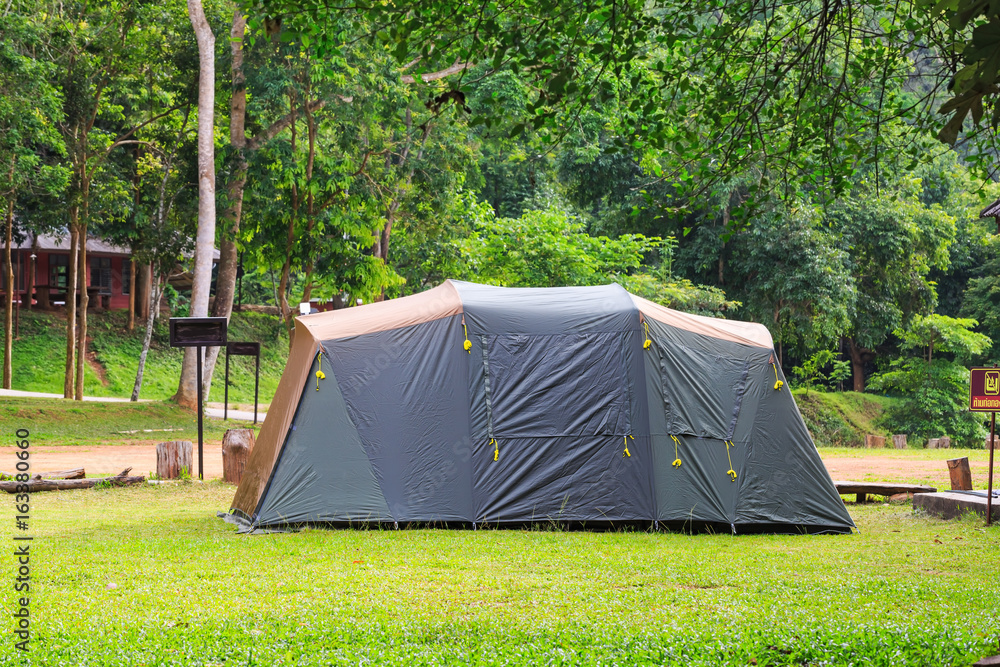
x=864, y=489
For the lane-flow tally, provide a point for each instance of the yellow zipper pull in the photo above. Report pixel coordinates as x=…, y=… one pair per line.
x=730, y=472
x=320, y=375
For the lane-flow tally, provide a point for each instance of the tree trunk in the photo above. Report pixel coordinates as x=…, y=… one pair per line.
x=75, y=473
x=286, y=268
x=857, y=364
x=381, y=249
x=205, y=241
x=131, y=295
x=225, y=281
x=722, y=250
x=237, y=444
x=81, y=337
x=960, y=474
x=155, y=295
x=172, y=457
x=71, y=287
x=8, y=324
x=35, y=485
x=146, y=282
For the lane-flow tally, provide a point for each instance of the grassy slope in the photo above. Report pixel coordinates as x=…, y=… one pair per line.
x=842, y=419
x=40, y=353
x=905, y=591
x=53, y=421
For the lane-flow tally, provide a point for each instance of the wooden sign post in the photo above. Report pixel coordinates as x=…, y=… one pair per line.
x=199, y=332
x=248, y=350
x=984, y=396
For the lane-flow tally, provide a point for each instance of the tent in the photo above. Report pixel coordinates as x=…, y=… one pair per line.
x=469, y=404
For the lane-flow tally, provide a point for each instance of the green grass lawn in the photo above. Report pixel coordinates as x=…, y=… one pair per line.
x=906, y=590
x=40, y=357
x=55, y=421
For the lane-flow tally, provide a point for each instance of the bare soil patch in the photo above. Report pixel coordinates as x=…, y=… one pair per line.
x=882, y=468
x=100, y=460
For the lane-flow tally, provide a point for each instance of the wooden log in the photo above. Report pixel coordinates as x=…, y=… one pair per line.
x=173, y=456
x=888, y=489
x=76, y=473
x=874, y=441
x=236, y=446
x=944, y=443
x=961, y=475
x=996, y=441
x=121, y=479
x=899, y=441
x=932, y=443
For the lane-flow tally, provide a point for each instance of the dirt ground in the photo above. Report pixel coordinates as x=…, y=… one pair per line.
x=111, y=459
x=141, y=457
x=880, y=468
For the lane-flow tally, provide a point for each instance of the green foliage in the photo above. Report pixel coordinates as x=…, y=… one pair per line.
x=811, y=372
x=945, y=334
x=893, y=241
x=935, y=401
x=30, y=110
x=981, y=300
x=935, y=391
x=547, y=249
x=568, y=59
x=658, y=284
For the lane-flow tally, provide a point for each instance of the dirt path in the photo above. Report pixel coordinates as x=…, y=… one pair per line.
x=882, y=468
x=141, y=457
x=111, y=459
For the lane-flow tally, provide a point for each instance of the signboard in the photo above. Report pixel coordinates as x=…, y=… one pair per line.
x=198, y=331
x=984, y=389
x=247, y=349
x=243, y=349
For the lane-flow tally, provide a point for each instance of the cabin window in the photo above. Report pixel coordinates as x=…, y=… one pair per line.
x=100, y=274
x=59, y=271
x=126, y=276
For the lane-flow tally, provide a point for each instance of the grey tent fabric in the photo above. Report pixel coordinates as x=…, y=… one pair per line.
x=498, y=406
x=324, y=473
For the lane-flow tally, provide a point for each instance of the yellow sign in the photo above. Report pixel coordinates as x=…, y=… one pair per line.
x=991, y=383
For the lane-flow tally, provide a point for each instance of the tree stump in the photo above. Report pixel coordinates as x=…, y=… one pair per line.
x=944, y=443
x=986, y=441
x=899, y=441
x=932, y=443
x=236, y=446
x=961, y=475
x=171, y=457
x=874, y=441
